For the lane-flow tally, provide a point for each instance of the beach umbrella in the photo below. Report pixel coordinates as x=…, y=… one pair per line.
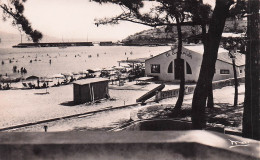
x=90, y=71
x=119, y=67
x=97, y=70
x=75, y=73
x=67, y=74
x=109, y=69
x=47, y=79
x=124, y=65
x=57, y=76
x=32, y=78
x=83, y=72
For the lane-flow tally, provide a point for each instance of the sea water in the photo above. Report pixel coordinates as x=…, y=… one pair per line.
x=47, y=61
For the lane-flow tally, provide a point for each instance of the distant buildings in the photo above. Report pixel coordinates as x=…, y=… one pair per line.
x=163, y=65
x=107, y=43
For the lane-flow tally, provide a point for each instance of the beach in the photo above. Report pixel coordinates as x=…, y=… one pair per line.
x=27, y=106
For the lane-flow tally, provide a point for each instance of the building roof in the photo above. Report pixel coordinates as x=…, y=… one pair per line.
x=137, y=60
x=200, y=49
x=222, y=54
x=240, y=59
x=90, y=80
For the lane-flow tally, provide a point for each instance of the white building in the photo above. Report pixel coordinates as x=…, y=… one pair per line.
x=163, y=66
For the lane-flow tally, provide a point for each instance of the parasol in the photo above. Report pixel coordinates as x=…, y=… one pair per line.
x=57, y=76
x=32, y=78
x=90, y=71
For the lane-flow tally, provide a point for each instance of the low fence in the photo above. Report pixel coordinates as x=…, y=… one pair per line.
x=227, y=82
x=190, y=89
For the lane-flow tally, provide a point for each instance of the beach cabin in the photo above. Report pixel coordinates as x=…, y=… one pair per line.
x=164, y=67
x=90, y=90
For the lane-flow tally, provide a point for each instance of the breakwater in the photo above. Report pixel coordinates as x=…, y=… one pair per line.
x=53, y=44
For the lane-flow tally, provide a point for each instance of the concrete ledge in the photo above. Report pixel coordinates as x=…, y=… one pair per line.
x=126, y=145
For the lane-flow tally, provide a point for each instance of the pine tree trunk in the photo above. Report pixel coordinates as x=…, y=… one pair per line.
x=180, y=68
x=236, y=82
x=251, y=124
x=210, y=102
x=207, y=69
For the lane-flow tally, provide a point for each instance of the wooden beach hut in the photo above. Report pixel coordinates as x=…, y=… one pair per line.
x=90, y=90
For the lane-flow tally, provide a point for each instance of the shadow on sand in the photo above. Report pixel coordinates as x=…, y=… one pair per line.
x=42, y=93
x=68, y=103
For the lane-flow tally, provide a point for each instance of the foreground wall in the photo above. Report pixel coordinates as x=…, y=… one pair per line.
x=150, y=145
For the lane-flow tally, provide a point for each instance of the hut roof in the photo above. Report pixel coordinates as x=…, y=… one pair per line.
x=90, y=80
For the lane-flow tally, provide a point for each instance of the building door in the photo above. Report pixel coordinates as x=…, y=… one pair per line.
x=177, y=64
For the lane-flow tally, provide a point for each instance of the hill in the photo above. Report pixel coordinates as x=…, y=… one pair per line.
x=159, y=36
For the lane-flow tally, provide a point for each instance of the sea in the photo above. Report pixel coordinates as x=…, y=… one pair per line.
x=48, y=61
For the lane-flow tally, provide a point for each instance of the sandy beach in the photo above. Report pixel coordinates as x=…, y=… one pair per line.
x=26, y=106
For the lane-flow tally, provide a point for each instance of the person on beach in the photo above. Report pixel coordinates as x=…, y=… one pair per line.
x=7, y=86
x=50, y=61
x=44, y=85
x=38, y=83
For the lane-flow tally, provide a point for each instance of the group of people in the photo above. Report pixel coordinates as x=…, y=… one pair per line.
x=4, y=87
x=23, y=70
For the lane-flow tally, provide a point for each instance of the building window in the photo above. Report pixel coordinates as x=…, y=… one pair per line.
x=224, y=71
x=188, y=68
x=170, y=70
x=241, y=71
x=155, y=68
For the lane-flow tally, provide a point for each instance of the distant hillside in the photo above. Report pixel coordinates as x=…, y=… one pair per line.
x=10, y=39
x=159, y=36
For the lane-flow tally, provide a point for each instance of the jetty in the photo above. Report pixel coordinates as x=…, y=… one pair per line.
x=53, y=44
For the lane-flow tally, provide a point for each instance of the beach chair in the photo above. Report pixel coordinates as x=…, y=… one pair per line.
x=25, y=85
x=31, y=85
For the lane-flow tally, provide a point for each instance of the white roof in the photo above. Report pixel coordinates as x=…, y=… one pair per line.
x=90, y=80
x=200, y=49
x=240, y=58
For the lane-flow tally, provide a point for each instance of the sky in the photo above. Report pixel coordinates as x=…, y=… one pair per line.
x=71, y=20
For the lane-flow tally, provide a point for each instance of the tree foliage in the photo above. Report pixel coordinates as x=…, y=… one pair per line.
x=164, y=13
x=14, y=9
